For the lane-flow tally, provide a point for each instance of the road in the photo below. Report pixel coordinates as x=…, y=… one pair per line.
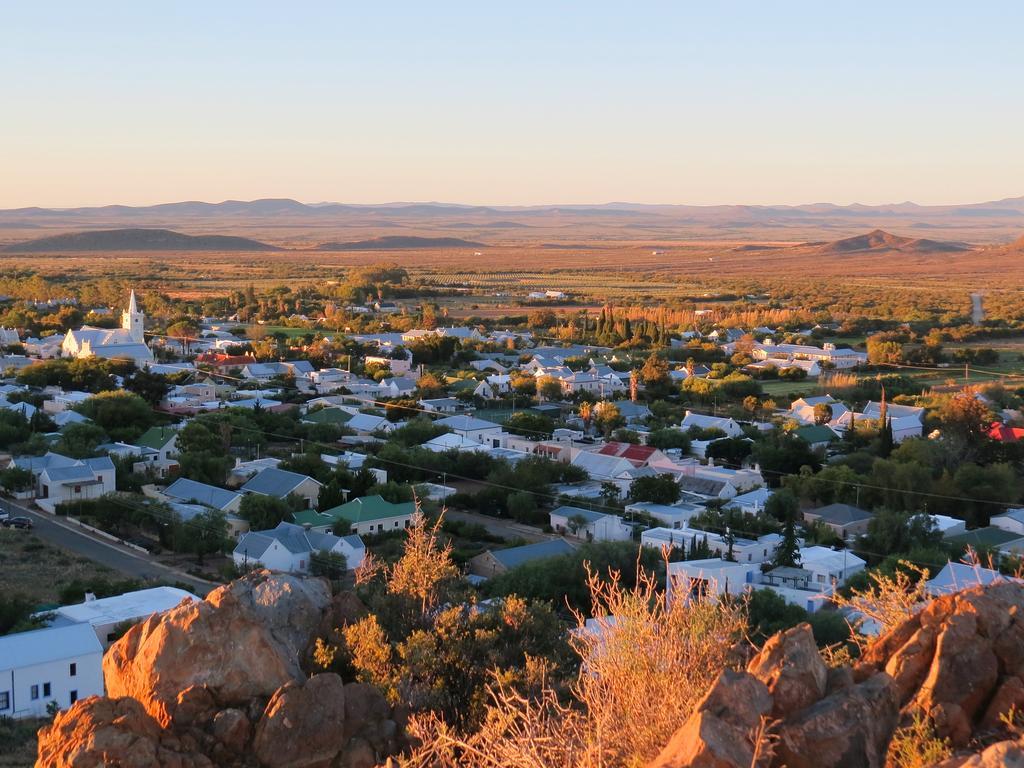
x=108, y=553
x=507, y=529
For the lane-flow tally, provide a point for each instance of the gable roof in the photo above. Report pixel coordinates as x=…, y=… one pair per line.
x=210, y=495
x=276, y=482
x=368, y=508
x=841, y=514
x=466, y=423
x=516, y=556
x=815, y=433
x=588, y=515
x=39, y=646
x=156, y=437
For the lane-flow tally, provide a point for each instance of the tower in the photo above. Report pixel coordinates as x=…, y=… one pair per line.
x=132, y=320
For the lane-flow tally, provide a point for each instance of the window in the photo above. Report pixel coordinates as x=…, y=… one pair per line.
x=34, y=692
x=78, y=489
x=74, y=670
x=73, y=697
x=46, y=689
x=821, y=578
x=5, y=700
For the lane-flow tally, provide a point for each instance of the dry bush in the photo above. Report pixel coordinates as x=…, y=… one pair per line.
x=642, y=670
x=888, y=600
x=917, y=745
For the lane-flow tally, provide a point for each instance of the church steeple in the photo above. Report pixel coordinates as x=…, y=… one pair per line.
x=133, y=321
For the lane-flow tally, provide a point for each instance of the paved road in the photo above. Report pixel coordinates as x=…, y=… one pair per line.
x=108, y=553
x=507, y=529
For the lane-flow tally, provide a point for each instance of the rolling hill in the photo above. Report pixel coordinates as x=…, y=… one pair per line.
x=400, y=242
x=137, y=240
x=880, y=241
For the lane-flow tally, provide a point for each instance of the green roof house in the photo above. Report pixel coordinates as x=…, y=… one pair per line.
x=374, y=514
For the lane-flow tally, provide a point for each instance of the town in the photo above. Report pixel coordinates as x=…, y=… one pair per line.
x=185, y=451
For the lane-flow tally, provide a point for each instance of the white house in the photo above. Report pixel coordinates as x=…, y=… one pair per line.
x=757, y=550
x=589, y=525
x=1012, y=521
x=367, y=423
x=692, y=579
x=485, y=432
x=126, y=342
x=55, y=664
x=669, y=515
x=291, y=548
x=107, y=614
x=59, y=479
x=701, y=421
x=751, y=502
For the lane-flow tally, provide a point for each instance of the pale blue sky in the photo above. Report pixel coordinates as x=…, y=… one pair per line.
x=676, y=102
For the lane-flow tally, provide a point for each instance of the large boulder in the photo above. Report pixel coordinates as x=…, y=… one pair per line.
x=790, y=665
x=244, y=641
x=852, y=727
x=97, y=732
x=303, y=725
x=720, y=732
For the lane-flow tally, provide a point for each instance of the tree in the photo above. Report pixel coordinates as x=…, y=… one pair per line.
x=822, y=413
x=787, y=553
x=425, y=567
x=202, y=535
x=655, y=373
x=151, y=387
x=658, y=489
x=122, y=415
x=430, y=385
x=184, y=331
x=731, y=450
x=80, y=441
x=782, y=505
x=263, y=512
x=549, y=388
x=965, y=421
x=669, y=438
x=607, y=417
x=330, y=565
x=535, y=426
x=522, y=506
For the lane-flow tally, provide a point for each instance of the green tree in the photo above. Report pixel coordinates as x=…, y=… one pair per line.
x=659, y=489
x=80, y=441
x=202, y=535
x=264, y=512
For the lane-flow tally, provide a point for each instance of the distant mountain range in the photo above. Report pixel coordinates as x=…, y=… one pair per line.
x=399, y=242
x=137, y=240
x=343, y=226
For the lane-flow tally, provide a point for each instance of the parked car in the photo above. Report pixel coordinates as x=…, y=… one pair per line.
x=16, y=522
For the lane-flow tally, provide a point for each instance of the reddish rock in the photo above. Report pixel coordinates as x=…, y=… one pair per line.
x=244, y=641
x=909, y=665
x=719, y=733
x=790, y=665
x=97, y=732
x=849, y=728
x=963, y=674
x=303, y=725
x=232, y=729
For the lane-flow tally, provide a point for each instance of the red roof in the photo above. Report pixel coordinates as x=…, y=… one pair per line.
x=635, y=454
x=219, y=360
x=1005, y=434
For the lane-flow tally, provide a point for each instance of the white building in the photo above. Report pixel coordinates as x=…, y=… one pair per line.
x=291, y=548
x=55, y=664
x=126, y=342
x=690, y=579
x=59, y=479
x=669, y=515
x=107, y=615
x=481, y=431
x=701, y=421
x=589, y=525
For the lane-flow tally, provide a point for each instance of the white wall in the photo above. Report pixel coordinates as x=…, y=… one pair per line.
x=88, y=681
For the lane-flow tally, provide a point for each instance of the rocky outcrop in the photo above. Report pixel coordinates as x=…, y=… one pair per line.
x=220, y=682
x=960, y=661
x=244, y=641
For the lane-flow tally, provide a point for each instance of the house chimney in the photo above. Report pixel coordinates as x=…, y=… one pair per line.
x=90, y=597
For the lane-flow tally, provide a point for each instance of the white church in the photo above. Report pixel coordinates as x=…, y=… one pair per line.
x=125, y=343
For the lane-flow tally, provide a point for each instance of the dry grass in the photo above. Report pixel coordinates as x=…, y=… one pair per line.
x=641, y=672
x=39, y=570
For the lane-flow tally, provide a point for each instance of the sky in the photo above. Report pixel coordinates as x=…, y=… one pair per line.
x=511, y=103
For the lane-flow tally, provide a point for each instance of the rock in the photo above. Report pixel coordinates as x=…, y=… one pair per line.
x=303, y=725
x=963, y=674
x=98, y=732
x=358, y=754
x=909, y=665
x=718, y=733
x=790, y=665
x=839, y=678
x=244, y=641
x=1010, y=695
x=849, y=728
x=232, y=729
x=364, y=704
x=1004, y=754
